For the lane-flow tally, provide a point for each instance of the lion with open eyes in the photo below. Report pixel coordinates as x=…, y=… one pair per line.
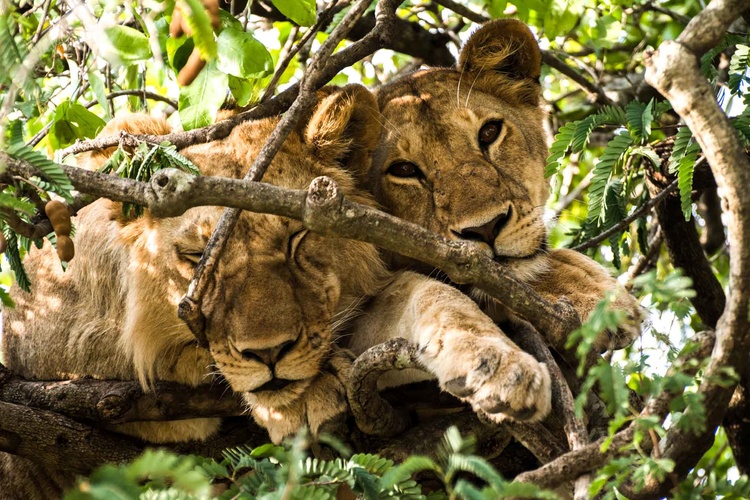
x=269, y=308
x=462, y=153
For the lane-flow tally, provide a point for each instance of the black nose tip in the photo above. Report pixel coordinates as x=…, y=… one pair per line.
x=268, y=357
x=488, y=232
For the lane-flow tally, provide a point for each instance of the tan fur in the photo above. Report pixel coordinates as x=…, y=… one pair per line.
x=275, y=295
x=432, y=119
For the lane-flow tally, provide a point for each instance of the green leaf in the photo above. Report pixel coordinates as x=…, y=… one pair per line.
x=613, y=153
x=178, y=51
x=97, y=85
x=72, y=122
x=7, y=200
x=301, y=12
x=131, y=46
x=405, y=470
x=561, y=16
x=241, y=55
x=682, y=160
x=242, y=90
x=738, y=68
x=199, y=22
x=13, y=255
x=559, y=148
x=200, y=100
x=640, y=116
x=51, y=171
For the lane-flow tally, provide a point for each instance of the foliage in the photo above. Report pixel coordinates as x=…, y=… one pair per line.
x=289, y=471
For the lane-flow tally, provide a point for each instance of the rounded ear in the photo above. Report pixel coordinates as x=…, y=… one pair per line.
x=505, y=55
x=345, y=127
x=504, y=45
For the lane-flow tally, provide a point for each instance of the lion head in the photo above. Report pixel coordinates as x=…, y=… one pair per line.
x=463, y=149
x=271, y=307
x=278, y=288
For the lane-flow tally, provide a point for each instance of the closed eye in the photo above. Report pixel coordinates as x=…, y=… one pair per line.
x=189, y=255
x=294, y=242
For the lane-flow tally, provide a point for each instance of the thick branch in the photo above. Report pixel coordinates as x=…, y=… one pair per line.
x=115, y=402
x=323, y=209
x=674, y=71
x=686, y=252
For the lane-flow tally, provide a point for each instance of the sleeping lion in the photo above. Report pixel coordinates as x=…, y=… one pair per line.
x=270, y=307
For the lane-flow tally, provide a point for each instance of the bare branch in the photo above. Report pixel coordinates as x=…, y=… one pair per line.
x=373, y=414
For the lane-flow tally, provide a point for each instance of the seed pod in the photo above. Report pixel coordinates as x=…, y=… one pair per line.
x=59, y=217
x=65, y=249
x=3, y=243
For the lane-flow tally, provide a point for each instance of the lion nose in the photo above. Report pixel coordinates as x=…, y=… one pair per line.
x=270, y=356
x=487, y=232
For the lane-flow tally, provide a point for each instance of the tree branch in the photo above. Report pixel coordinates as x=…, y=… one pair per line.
x=674, y=71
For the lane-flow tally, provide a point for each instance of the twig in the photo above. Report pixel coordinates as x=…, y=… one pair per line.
x=639, y=212
x=674, y=71
x=139, y=92
x=189, y=309
x=464, y=11
x=654, y=247
x=288, y=51
x=551, y=60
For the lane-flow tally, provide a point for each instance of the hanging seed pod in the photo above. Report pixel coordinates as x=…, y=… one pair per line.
x=65, y=249
x=3, y=243
x=59, y=217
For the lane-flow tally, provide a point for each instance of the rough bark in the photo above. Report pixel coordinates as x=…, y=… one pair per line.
x=674, y=71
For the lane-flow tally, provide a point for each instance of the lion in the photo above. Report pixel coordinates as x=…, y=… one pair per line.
x=463, y=152
x=269, y=307
x=280, y=298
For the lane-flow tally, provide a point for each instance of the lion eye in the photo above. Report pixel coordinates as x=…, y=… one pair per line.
x=489, y=133
x=294, y=242
x=404, y=169
x=191, y=256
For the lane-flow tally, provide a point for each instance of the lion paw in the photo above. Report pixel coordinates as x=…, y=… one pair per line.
x=491, y=374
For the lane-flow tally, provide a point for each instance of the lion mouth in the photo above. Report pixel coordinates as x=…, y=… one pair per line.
x=275, y=384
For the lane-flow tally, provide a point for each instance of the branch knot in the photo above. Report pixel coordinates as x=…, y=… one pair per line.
x=169, y=190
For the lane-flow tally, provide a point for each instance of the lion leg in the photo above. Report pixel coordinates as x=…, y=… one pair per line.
x=584, y=283
x=467, y=352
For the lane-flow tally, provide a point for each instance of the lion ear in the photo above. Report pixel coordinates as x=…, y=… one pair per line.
x=505, y=48
x=345, y=127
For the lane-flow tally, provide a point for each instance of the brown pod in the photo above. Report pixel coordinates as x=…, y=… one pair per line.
x=192, y=67
x=59, y=217
x=65, y=249
x=3, y=243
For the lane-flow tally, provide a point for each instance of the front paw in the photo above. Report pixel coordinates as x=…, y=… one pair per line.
x=581, y=281
x=496, y=378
